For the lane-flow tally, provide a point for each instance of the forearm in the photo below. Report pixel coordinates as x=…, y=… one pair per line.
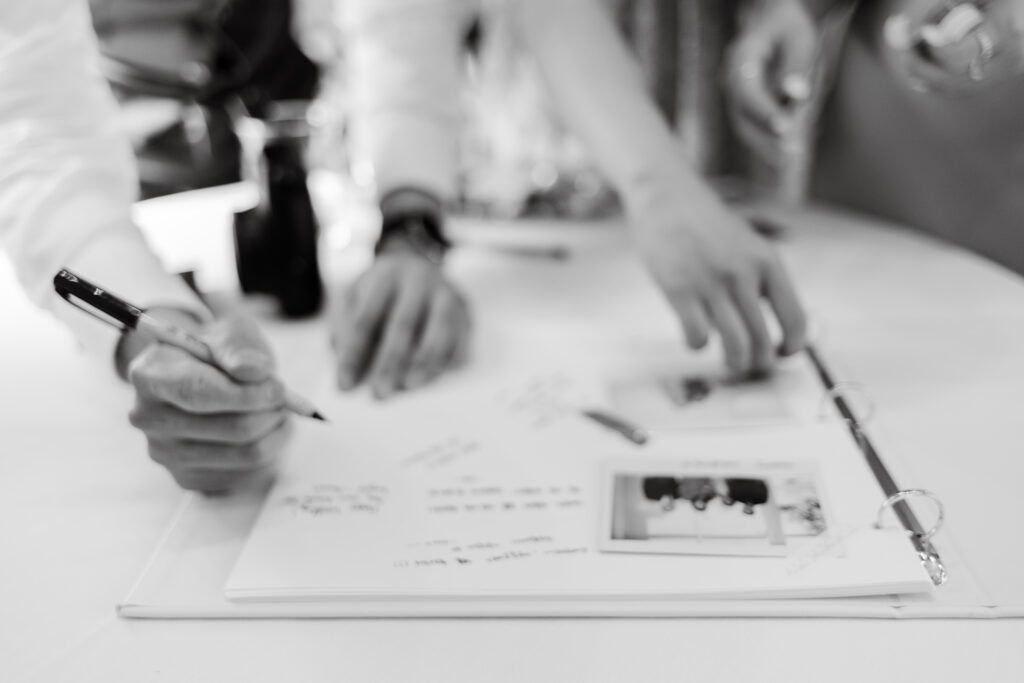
x=600, y=94
x=66, y=172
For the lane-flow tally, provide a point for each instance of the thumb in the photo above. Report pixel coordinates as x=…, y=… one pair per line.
x=240, y=349
x=797, y=55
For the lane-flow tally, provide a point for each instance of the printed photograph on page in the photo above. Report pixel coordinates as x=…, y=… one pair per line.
x=695, y=507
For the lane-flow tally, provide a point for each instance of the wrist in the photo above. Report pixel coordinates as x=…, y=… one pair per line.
x=672, y=201
x=418, y=235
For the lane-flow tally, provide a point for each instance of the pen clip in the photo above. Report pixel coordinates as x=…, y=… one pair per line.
x=95, y=301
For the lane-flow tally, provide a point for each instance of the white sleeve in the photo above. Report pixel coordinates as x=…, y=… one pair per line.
x=67, y=178
x=405, y=59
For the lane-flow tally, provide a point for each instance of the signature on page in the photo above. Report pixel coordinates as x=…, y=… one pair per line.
x=452, y=553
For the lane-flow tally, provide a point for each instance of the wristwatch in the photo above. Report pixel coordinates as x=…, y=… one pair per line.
x=420, y=231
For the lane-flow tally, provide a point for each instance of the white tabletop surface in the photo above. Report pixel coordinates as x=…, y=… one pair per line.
x=936, y=334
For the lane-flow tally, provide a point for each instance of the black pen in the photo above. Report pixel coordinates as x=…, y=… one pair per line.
x=115, y=311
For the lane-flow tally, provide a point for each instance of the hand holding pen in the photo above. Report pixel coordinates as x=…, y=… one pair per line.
x=212, y=411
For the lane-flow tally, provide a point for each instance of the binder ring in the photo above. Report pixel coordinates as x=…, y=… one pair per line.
x=843, y=390
x=900, y=496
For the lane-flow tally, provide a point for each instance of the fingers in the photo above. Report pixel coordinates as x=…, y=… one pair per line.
x=214, y=467
x=358, y=328
x=740, y=319
x=165, y=422
x=769, y=75
x=168, y=375
x=747, y=299
x=748, y=83
x=401, y=332
x=797, y=56
x=782, y=295
x=444, y=334
x=403, y=325
x=695, y=322
x=735, y=340
x=240, y=349
x=757, y=116
x=212, y=430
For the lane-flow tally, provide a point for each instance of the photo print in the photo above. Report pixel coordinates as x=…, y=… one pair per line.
x=766, y=509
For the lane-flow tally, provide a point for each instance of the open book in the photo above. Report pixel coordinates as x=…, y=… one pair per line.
x=495, y=489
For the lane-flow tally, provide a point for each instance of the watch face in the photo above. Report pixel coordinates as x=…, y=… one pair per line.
x=953, y=48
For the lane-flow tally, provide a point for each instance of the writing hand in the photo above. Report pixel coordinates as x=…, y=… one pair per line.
x=714, y=270
x=400, y=325
x=768, y=74
x=212, y=429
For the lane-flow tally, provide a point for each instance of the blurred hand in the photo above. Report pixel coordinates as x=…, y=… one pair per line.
x=769, y=74
x=955, y=47
x=714, y=270
x=400, y=325
x=212, y=430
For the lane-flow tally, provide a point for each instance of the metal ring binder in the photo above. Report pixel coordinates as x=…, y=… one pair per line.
x=843, y=390
x=919, y=537
x=910, y=493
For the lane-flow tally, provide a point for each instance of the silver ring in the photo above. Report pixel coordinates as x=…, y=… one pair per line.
x=910, y=493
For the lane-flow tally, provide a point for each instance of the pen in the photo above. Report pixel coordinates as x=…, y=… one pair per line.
x=637, y=435
x=115, y=311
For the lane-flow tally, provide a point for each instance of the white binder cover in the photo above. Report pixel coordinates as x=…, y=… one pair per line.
x=186, y=574
x=372, y=517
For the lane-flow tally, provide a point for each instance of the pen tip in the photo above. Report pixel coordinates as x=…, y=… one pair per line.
x=318, y=416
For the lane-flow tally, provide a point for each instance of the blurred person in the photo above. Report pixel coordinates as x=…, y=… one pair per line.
x=922, y=124
x=66, y=189
x=403, y=322
x=182, y=70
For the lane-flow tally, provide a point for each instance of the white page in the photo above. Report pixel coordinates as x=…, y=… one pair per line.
x=488, y=485
x=186, y=575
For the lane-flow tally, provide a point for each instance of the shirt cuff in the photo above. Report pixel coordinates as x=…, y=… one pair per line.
x=122, y=262
x=405, y=202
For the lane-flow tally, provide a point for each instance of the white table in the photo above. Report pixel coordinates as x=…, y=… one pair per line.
x=937, y=335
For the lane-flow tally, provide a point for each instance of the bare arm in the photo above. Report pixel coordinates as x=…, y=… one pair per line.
x=713, y=269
